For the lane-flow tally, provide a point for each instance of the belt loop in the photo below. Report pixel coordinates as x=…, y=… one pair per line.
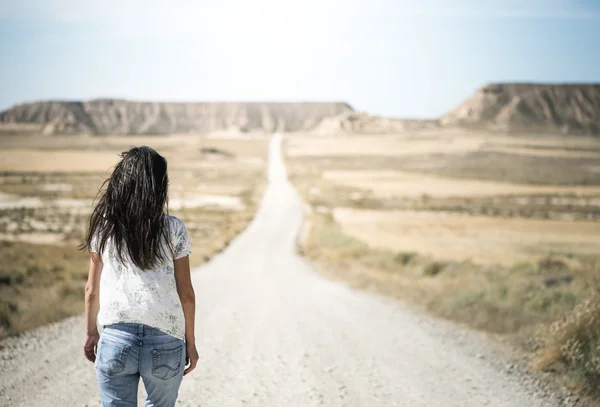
x=141, y=329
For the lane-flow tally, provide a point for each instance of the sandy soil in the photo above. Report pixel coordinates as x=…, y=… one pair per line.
x=272, y=332
x=388, y=145
x=543, y=152
x=442, y=141
x=406, y=184
x=28, y=160
x=60, y=176
x=453, y=236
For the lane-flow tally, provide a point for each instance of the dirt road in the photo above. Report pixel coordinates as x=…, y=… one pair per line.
x=271, y=332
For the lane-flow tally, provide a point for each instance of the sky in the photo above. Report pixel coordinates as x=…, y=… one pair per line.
x=399, y=58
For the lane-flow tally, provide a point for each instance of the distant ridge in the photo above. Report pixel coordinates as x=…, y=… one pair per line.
x=114, y=116
x=510, y=107
x=516, y=107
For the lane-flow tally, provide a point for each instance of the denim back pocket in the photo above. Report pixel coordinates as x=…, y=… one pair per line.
x=111, y=357
x=166, y=363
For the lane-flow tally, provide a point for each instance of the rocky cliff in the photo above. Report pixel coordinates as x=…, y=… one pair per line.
x=531, y=107
x=110, y=116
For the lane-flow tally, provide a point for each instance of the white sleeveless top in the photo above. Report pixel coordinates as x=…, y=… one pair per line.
x=129, y=294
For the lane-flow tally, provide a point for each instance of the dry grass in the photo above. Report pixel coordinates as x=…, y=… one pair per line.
x=29, y=160
x=39, y=284
x=394, y=145
x=458, y=237
x=573, y=342
x=437, y=141
x=549, y=307
x=459, y=155
x=47, y=186
x=546, y=141
x=405, y=184
x=500, y=298
x=99, y=154
x=240, y=146
x=544, y=152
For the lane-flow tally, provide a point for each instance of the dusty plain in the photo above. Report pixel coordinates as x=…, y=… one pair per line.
x=500, y=232
x=47, y=188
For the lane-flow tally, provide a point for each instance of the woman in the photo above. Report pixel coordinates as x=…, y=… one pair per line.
x=139, y=288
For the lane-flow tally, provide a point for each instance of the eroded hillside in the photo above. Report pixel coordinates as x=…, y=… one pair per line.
x=110, y=116
x=531, y=108
x=571, y=108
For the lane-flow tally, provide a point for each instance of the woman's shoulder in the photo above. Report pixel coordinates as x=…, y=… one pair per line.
x=175, y=223
x=179, y=237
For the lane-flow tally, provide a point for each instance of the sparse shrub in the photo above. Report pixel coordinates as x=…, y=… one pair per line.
x=405, y=257
x=545, y=300
x=57, y=268
x=8, y=310
x=11, y=276
x=433, y=269
x=555, y=281
x=551, y=264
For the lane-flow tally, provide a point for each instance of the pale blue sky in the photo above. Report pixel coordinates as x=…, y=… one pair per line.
x=403, y=58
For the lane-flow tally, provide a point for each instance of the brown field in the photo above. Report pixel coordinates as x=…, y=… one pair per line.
x=544, y=152
x=379, y=145
x=499, y=232
x=48, y=184
x=40, y=161
x=434, y=141
x=459, y=237
x=406, y=184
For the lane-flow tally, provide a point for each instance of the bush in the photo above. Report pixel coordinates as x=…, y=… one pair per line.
x=11, y=276
x=433, y=269
x=405, y=257
x=8, y=310
x=553, y=265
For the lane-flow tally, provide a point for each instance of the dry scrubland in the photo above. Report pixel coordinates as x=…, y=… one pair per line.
x=47, y=185
x=501, y=233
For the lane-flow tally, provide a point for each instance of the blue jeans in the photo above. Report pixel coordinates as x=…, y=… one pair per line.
x=127, y=352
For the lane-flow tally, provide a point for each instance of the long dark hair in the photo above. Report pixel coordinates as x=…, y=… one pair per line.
x=132, y=210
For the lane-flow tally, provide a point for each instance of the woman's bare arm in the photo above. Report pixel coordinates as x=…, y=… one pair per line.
x=183, y=279
x=92, y=306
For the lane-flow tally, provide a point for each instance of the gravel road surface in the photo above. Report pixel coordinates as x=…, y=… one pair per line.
x=271, y=332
